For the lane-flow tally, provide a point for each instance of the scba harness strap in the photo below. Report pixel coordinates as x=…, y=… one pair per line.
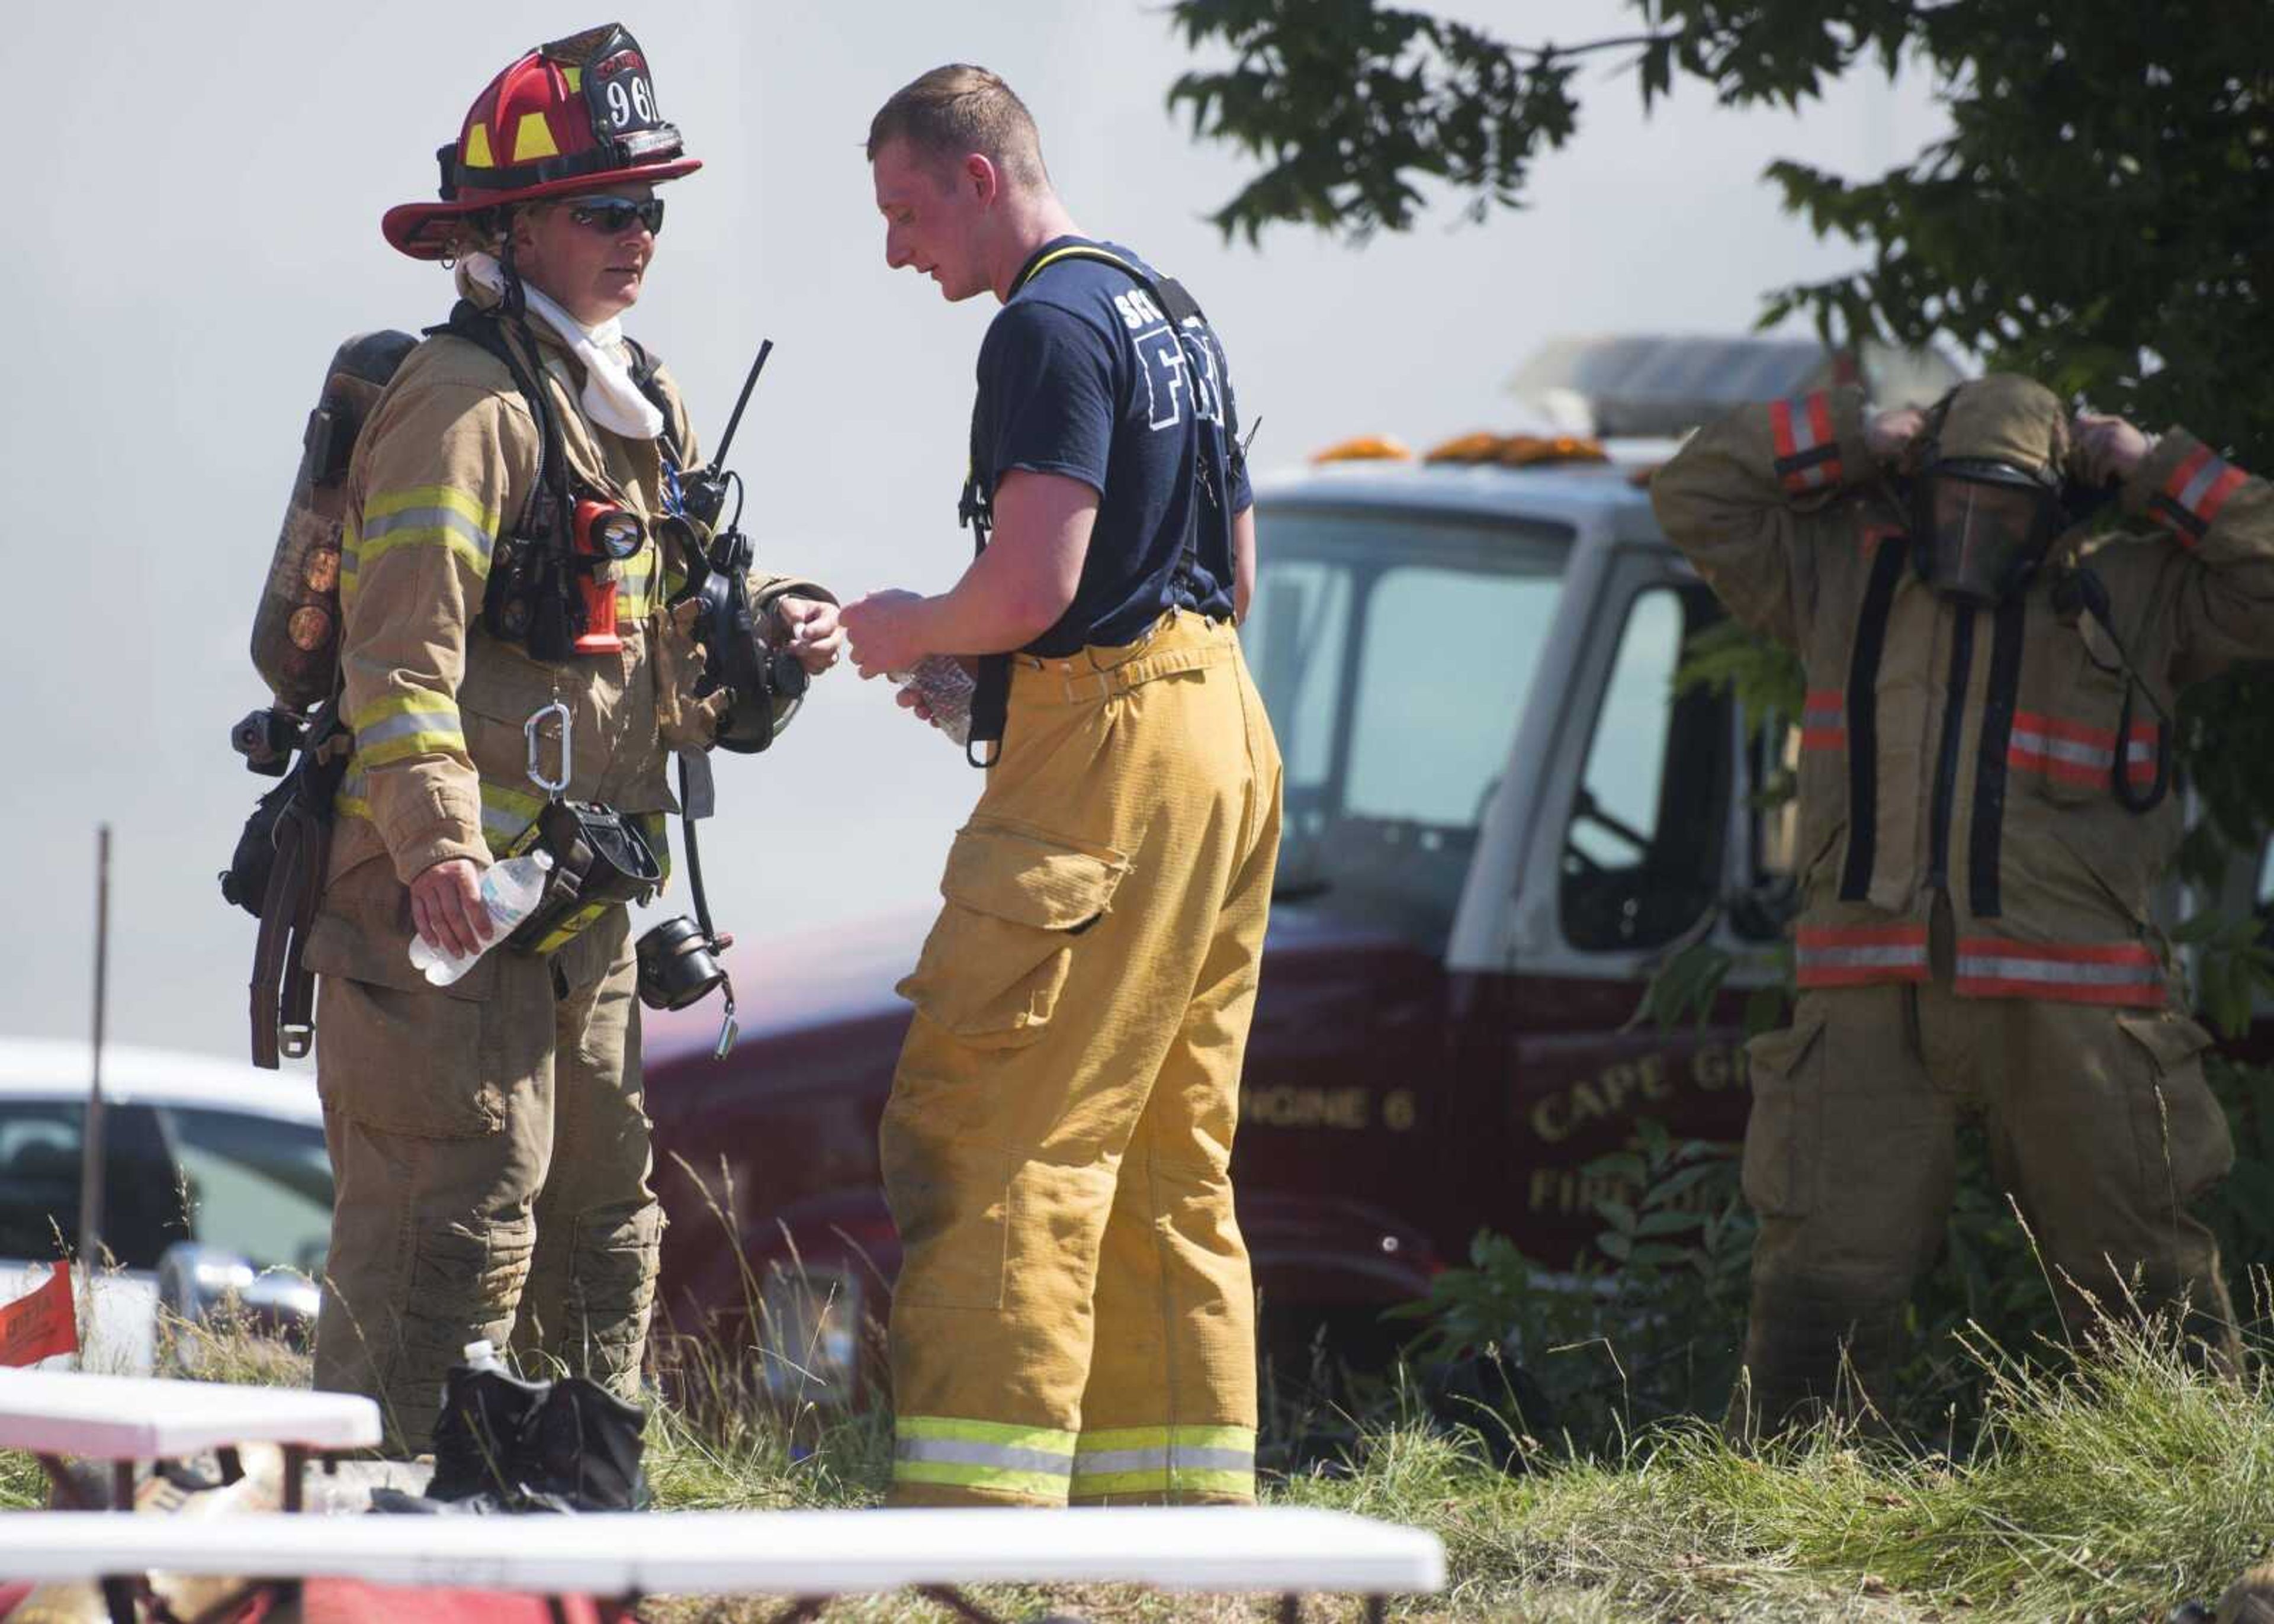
x=530, y=597
x=990, y=698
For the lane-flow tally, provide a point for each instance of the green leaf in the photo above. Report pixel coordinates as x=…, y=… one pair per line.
x=1669, y=1222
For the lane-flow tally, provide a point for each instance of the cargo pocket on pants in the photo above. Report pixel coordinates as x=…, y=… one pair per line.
x=1782, y=1135
x=996, y=961
x=2177, y=1124
x=392, y=1052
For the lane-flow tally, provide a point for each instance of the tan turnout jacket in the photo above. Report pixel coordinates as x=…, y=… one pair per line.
x=1969, y=752
x=436, y=704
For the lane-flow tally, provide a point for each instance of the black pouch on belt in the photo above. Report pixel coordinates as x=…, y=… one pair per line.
x=599, y=859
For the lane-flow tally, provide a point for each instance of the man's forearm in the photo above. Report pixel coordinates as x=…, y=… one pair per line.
x=993, y=610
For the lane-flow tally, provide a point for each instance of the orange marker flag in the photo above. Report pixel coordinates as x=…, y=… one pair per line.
x=40, y=1323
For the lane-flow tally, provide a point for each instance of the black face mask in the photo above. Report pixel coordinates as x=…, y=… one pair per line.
x=1980, y=529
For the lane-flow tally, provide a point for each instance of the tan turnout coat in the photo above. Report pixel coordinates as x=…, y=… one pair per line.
x=1969, y=752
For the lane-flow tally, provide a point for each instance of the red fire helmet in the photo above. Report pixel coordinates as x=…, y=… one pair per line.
x=567, y=117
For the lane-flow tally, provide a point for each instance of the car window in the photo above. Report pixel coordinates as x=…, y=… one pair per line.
x=41, y=1142
x=1642, y=853
x=1395, y=653
x=254, y=1186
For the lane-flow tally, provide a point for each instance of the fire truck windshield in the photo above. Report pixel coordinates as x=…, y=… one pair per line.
x=1395, y=651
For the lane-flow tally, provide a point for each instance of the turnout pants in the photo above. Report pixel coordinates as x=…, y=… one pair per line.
x=2101, y=1127
x=491, y=1163
x=1073, y=1317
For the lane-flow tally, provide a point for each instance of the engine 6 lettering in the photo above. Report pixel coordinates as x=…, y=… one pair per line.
x=1286, y=1105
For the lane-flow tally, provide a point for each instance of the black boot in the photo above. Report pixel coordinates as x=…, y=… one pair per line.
x=483, y=1437
x=586, y=1449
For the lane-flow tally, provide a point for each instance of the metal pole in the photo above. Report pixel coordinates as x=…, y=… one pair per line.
x=90, y=1160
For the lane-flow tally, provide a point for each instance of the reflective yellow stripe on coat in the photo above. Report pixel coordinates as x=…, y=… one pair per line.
x=432, y=515
x=414, y=722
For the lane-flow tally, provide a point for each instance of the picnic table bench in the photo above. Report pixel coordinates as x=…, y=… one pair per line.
x=805, y=1556
x=126, y=1420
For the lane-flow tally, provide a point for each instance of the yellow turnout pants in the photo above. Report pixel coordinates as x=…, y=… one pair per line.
x=1073, y=1317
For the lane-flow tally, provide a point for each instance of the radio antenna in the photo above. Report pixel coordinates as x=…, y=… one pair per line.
x=718, y=457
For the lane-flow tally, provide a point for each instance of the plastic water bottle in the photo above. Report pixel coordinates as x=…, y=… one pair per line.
x=947, y=688
x=511, y=891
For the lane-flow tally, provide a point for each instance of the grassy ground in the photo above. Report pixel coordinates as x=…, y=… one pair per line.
x=2110, y=1493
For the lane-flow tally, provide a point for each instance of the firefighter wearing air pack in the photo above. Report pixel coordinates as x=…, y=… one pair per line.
x=487, y=1139
x=1984, y=808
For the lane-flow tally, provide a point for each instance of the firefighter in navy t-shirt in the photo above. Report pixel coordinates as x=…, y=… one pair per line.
x=1073, y=1317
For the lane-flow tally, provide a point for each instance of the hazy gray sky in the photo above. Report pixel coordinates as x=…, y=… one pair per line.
x=195, y=227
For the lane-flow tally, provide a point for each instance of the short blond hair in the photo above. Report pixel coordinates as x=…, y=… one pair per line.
x=957, y=110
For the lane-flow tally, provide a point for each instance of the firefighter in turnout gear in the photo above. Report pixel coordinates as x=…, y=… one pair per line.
x=1074, y=1317
x=487, y=1139
x=1984, y=808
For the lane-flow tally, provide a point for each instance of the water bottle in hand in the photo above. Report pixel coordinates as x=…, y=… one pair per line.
x=947, y=688
x=511, y=891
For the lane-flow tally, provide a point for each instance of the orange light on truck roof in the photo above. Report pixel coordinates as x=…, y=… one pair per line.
x=1517, y=450
x=1367, y=448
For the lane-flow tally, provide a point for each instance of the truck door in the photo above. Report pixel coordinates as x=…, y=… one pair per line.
x=1640, y=837
x=1396, y=650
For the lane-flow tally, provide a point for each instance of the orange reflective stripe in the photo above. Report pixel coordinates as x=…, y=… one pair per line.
x=2192, y=497
x=1807, y=455
x=2124, y=973
x=2076, y=754
x=1824, y=721
x=1857, y=955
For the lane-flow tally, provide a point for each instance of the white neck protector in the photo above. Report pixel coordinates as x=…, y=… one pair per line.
x=611, y=399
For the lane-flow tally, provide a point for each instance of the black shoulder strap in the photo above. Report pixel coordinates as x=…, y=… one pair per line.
x=990, y=698
x=644, y=370
x=485, y=330
x=1176, y=303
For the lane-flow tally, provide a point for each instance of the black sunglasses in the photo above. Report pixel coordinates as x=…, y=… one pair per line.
x=614, y=216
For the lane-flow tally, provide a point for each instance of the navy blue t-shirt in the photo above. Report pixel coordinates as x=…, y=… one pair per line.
x=1081, y=375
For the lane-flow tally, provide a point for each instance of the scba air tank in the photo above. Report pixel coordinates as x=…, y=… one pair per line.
x=296, y=632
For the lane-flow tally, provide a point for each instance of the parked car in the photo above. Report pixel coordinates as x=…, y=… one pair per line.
x=215, y=1185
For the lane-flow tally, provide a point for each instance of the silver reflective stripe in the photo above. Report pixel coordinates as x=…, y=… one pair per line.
x=407, y=724
x=1105, y=1463
x=499, y=821
x=1804, y=428
x=2068, y=750
x=970, y=1452
x=1812, y=720
x=2191, y=494
x=2049, y=971
x=1879, y=956
x=428, y=519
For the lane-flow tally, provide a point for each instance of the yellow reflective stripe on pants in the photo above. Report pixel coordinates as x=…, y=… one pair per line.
x=1141, y=1460
x=983, y=1454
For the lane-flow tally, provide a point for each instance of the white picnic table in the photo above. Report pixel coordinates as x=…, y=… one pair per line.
x=124, y=1420
x=805, y=1554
